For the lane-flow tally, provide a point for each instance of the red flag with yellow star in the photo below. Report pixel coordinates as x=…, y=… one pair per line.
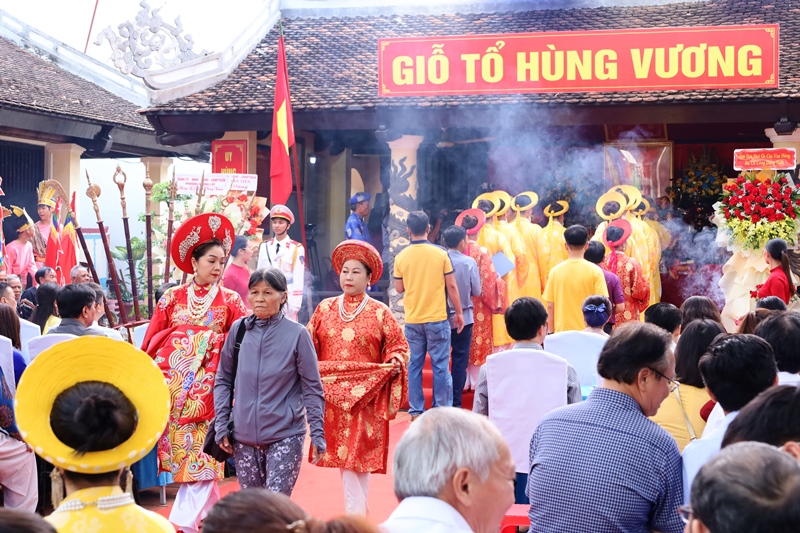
x=280, y=171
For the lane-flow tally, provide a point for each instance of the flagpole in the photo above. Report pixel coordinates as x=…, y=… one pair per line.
x=300, y=210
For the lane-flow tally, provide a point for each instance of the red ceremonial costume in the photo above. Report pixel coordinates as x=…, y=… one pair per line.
x=776, y=285
x=185, y=337
x=635, y=287
x=491, y=301
x=361, y=393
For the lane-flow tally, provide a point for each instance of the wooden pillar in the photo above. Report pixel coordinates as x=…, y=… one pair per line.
x=402, y=200
x=62, y=162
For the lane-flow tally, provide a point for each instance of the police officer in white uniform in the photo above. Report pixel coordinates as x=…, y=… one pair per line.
x=287, y=255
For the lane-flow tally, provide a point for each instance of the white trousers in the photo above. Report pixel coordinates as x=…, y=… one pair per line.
x=192, y=504
x=472, y=377
x=18, y=475
x=356, y=490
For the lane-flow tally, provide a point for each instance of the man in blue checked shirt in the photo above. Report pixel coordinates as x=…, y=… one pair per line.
x=602, y=465
x=356, y=228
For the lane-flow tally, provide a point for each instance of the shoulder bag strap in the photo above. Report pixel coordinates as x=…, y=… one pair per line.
x=241, y=330
x=692, y=434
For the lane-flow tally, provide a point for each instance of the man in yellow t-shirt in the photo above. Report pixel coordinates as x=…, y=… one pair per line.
x=570, y=283
x=424, y=273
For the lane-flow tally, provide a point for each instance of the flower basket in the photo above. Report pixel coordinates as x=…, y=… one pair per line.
x=758, y=207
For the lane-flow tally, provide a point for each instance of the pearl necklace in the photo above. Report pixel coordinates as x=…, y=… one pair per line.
x=350, y=316
x=103, y=503
x=198, y=306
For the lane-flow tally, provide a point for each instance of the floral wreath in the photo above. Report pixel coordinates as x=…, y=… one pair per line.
x=759, y=206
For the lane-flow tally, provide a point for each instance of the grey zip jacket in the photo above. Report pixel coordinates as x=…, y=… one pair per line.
x=277, y=384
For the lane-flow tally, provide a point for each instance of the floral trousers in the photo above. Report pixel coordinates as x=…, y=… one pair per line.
x=272, y=466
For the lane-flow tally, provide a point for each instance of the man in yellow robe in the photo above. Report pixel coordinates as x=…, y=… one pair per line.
x=494, y=241
x=663, y=238
x=522, y=260
x=520, y=215
x=552, y=246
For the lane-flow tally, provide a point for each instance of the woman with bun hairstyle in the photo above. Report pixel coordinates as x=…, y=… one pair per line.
x=779, y=283
x=92, y=406
x=185, y=338
x=596, y=313
x=264, y=511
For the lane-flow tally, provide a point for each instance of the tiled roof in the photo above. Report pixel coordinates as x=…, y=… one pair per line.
x=333, y=61
x=32, y=83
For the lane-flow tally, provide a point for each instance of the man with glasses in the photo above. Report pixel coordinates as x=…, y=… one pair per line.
x=749, y=486
x=736, y=369
x=601, y=465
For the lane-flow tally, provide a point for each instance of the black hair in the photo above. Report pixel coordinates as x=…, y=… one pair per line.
x=610, y=208
x=9, y=326
x=782, y=332
x=454, y=235
x=736, y=368
x=46, y=295
x=778, y=250
x=614, y=233
x=750, y=321
x=576, y=236
x=239, y=244
x=99, y=294
x=73, y=298
x=771, y=417
x=417, y=223
x=524, y=318
x=696, y=307
x=595, y=253
x=632, y=347
x=17, y=521
x=4, y=287
x=469, y=221
x=163, y=288
x=692, y=345
x=594, y=316
x=93, y=416
x=41, y=273
x=750, y=487
x=664, y=315
x=203, y=249
x=773, y=303
x=522, y=202
x=486, y=206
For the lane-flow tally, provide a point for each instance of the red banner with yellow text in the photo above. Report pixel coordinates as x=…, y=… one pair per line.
x=704, y=57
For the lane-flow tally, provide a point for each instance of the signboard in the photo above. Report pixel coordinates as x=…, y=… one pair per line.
x=216, y=184
x=703, y=57
x=765, y=158
x=229, y=157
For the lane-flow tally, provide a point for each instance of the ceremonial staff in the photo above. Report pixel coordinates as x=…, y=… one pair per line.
x=200, y=192
x=134, y=290
x=173, y=190
x=148, y=225
x=89, y=263
x=93, y=192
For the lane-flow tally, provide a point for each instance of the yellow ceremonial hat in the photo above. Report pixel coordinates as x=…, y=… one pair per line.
x=611, y=196
x=490, y=197
x=634, y=195
x=548, y=210
x=642, y=208
x=47, y=194
x=22, y=213
x=504, y=203
x=83, y=359
x=532, y=196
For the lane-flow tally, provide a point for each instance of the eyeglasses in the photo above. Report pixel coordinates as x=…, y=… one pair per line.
x=686, y=513
x=672, y=383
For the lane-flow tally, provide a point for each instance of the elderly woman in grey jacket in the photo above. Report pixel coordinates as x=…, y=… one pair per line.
x=277, y=388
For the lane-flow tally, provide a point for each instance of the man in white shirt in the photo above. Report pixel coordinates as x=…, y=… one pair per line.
x=453, y=473
x=735, y=369
x=286, y=255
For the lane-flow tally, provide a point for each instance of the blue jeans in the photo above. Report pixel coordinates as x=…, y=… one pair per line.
x=460, y=342
x=432, y=338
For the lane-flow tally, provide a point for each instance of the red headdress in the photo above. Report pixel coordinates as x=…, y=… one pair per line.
x=196, y=231
x=361, y=251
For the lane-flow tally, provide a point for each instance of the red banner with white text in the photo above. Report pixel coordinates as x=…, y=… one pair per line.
x=704, y=57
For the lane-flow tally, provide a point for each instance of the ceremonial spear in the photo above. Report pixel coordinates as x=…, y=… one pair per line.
x=134, y=291
x=89, y=263
x=200, y=192
x=93, y=192
x=173, y=190
x=148, y=225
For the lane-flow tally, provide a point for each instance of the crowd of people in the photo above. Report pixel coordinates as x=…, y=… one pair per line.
x=595, y=405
